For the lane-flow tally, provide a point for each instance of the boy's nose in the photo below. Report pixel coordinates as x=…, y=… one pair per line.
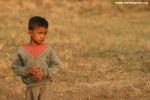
x=42, y=36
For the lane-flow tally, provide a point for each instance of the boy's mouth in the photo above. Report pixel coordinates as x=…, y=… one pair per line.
x=41, y=41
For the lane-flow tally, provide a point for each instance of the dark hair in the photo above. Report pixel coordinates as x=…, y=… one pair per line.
x=37, y=21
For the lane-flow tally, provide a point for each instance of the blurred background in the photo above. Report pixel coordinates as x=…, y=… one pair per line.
x=104, y=47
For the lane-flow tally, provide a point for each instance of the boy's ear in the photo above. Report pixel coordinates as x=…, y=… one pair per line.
x=29, y=32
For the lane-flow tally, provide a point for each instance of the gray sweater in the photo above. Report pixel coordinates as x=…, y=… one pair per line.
x=27, y=57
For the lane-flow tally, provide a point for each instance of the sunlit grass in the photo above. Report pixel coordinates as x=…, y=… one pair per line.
x=104, y=56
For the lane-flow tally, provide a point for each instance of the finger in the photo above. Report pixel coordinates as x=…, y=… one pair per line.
x=42, y=72
x=37, y=76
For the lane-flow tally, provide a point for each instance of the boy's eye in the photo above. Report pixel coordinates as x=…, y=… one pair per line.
x=41, y=33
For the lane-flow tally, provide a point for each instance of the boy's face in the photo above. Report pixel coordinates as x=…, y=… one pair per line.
x=38, y=34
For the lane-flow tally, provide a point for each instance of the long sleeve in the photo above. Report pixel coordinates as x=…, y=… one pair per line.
x=54, y=64
x=17, y=66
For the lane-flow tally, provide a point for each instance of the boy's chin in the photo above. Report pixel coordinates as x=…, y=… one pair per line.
x=39, y=42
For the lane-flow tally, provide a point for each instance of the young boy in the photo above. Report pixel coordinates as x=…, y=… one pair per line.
x=36, y=62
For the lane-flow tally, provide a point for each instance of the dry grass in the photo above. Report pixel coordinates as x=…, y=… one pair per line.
x=105, y=53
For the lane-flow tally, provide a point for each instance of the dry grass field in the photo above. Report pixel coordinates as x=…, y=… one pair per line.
x=104, y=48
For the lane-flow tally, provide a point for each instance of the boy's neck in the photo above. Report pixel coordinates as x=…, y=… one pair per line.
x=33, y=43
